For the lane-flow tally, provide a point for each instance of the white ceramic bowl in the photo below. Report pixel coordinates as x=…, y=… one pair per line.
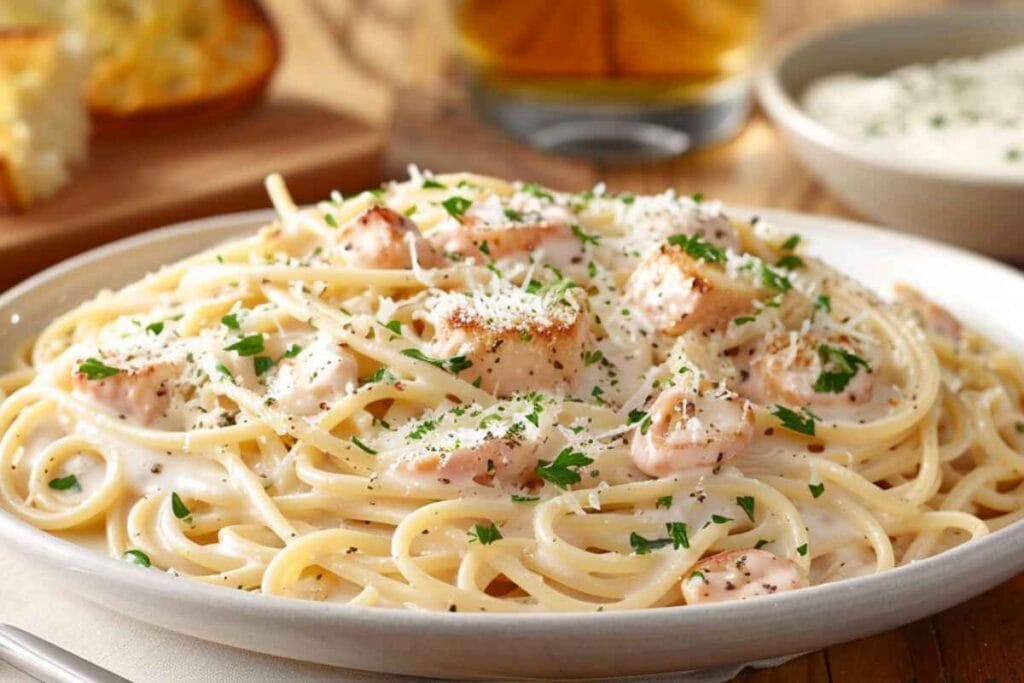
x=980, y=211
x=535, y=645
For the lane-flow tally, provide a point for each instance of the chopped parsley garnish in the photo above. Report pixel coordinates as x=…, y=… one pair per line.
x=247, y=346
x=381, y=374
x=456, y=206
x=678, y=537
x=585, y=237
x=774, y=280
x=181, y=510
x=743, y=320
x=230, y=321
x=513, y=215
x=643, y=546
x=422, y=429
x=292, y=351
x=747, y=503
x=362, y=446
x=485, y=534
x=562, y=472
x=627, y=198
x=261, y=364
x=431, y=184
x=330, y=220
x=155, y=328
x=697, y=197
x=762, y=542
x=455, y=364
x=1019, y=427
x=395, y=326
x=698, y=574
x=698, y=248
x=817, y=489
x=136, y=557
x=222, y=369
x=823, y=303
x=65, y=483
x=537, y=191
x=802, y=550
x=679, y=533
x=94, y=368
x=793, y=421
x=790, y=244
x=591, y=357
x=484, y=248
x=838, y=368
x=790, y=262
x=664, y=502
x=516, y=498
x=720, y=519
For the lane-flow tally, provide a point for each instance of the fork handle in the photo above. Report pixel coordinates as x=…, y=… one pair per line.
x=44, y=661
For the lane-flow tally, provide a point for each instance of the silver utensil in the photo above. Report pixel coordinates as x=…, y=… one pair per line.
x=46, y=662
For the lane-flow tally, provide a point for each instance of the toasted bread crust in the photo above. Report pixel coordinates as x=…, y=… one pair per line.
x=162, y=116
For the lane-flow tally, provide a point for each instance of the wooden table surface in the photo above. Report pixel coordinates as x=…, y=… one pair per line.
x=396, y=56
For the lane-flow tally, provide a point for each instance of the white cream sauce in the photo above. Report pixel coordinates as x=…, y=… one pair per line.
x=956, y=114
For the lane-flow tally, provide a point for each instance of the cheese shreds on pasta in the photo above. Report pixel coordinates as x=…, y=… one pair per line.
x=459, y=393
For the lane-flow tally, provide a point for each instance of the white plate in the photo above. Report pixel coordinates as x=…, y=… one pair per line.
x=538, y=645
x=978, y=210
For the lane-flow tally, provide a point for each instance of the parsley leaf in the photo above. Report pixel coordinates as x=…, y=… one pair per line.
x=513, y=215
x=747, y=503
x=698, y=248
x=181, y=511
x=455, y=364
x=292, y=351
x=381, y=374
x=94, y=368
x=562, y=472
x=516, y=498
x=643, y=546
x=743, y=320
x=762, y=542
x=664, y=502
x=230, y=321
x=585, y=238
x=824, y=303
x=679, y=533
x=793, y=421
x=395, y=326
x=720, y=519
x=839, y=367
x=431, y=184
x=790, y=262
x=456, y=206
x=817, y=489
x=261, y=364
x=223, y=369
x=790, y=244
x=802, y=550
x=774, y=280
x=537, y=191
x=65, y=483
x=330, y=220
x=591, y=357
x=485, y=534
x=247, y=346
x=155, y=328
x=362, y=446
x=136, y=557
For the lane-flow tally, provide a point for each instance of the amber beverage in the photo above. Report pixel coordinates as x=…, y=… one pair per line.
x=612, y=77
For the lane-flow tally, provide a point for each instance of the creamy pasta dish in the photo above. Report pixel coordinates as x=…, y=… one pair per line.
x=458, y=393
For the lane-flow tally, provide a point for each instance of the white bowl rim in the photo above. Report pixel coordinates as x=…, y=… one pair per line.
x=787, y=113
x=52, y=551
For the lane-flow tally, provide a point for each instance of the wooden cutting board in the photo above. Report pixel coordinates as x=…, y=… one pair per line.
x=316, y=128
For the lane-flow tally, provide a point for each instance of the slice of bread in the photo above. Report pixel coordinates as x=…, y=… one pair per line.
x=44, y=123
x=160, y=64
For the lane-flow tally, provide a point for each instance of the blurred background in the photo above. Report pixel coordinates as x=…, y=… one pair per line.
x=192, y=102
